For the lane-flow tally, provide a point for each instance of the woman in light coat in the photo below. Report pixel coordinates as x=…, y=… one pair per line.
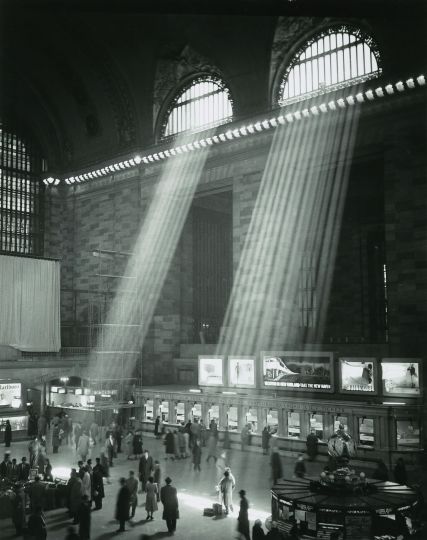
x=151, y=498
x=226, y=487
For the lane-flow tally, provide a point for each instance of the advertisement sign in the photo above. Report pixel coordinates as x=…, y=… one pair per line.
x=401, y=376
x=210, y=370
x=358, y=375
x=311, y=371
x=241, y=371
x=9, y=392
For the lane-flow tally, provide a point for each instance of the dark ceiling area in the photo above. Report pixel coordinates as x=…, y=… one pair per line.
x=86, y=79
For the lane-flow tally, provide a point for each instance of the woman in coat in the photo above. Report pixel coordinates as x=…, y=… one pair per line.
x=243, y=519
x=226, y=487
x=151, y=498
x=75, y=495
x=157, y=475
x=265, y=440
x=7, y=434
x=169, y=445
x=137, y=445
x=276, y=466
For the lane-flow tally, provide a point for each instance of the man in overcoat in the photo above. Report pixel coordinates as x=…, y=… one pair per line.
x=169, y=499
x=122, y=506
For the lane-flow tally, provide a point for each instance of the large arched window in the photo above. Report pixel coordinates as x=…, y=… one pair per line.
x=203, y=103
x=336, y=58
x=21, y=200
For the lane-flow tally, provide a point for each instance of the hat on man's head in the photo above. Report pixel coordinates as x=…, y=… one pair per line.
x=242, y=492
x=168, y=480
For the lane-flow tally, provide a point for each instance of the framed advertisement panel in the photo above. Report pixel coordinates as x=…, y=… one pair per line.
x=241, y=371
x=401, y=377
x=10, y=392
x=358, y=376
x=211, y=370
x=310, y=371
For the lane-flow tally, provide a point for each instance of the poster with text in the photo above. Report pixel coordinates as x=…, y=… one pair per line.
x=210, y=371
x=241, y=371
x=298, y=370
x=401, y=376
x=358, y=375
x=9, y=393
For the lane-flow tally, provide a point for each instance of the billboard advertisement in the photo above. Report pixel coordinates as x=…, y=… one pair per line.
x=401, y=376
x=312, y=371
x=358, y=375
x=211, y=370
x=10, y=393
x=241, y=371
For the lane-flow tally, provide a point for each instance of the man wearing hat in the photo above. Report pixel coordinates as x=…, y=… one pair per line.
x=169, y=499
x=243, y=518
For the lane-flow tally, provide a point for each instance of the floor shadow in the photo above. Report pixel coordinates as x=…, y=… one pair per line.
x=160, y=534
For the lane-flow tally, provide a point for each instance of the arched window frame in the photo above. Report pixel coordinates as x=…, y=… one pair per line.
x=177, y=94
x=359, y=33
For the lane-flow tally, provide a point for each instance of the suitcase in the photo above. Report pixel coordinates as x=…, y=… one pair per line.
x=217, y=508
x=209, y=512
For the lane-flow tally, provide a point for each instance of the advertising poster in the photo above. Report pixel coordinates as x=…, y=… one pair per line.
x=210, y=371
x=241, y=371
x=298, y=370
x=358, y=375
x=9, y=392
x=401, y=377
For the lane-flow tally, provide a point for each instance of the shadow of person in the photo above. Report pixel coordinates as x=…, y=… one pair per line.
x=159, y=534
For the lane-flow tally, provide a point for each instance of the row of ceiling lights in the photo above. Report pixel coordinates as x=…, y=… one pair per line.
x=243, y=131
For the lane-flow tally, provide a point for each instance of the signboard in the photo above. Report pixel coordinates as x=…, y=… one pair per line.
x=401, y=376
x=358, y=375
x=211, y=370
x=9, y=392
x=307, y=371
x=241, y=371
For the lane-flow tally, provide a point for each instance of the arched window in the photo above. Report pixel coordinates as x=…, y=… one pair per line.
x=21, y=193
x=336, y=58
x=203, y=103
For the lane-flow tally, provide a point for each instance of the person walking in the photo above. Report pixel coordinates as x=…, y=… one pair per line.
x=7, y=434
x=226, y=487
x=132, y=484
x=226, y=440
x=98, y=484
x=243, y=518
x=157, y=432
x=84, y=518
x=47, y=477
x=312, y=444
x=169, y=445
x=56, y=441
x=265, y=440
x=244, y=438
x=23, y=470
x=400, y=475
x=151, y=497
x=86, y=484
x=157, y=475
x=169, y=498
x=299, y=469
x=105, y=467
x=220, y=466
x=77, y=434
x=37, y=494
x=83, y=446
x=74, y=495
x=128, y=445
x=122, y=505
x=145, y=469
x=137, y=445
x=18, y=509
x=276, y=466
x=211, y=447
x=197, y=455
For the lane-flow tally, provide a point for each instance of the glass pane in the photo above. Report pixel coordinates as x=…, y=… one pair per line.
x=316, y=424
x=366, y=432
x=294, y=426
x=408, y=433
x=232, y=421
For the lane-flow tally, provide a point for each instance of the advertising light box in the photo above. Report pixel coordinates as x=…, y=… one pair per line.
x=241, y=371
x=211, y=370
x=358, y=375
x=9, y=391
x=306, y=370
x=401, y=376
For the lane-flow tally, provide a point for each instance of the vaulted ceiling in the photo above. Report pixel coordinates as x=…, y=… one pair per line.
x=86, y=78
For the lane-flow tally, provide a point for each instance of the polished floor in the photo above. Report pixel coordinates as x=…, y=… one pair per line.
x=196, y=490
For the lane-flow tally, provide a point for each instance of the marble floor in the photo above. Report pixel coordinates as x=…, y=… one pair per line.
x=196, y=490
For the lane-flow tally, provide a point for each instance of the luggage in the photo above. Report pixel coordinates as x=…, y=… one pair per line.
x=209, y=512
x=217, y=508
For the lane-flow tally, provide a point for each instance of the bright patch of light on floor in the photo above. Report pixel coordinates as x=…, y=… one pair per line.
x=199, y=503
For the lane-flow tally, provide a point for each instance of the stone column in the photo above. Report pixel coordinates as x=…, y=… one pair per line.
x=328, y=425
x=205, y=408
x=241, y=416
x=187, y=408
x=304, y=420
x=281, y=422
x=172, y=412
x=156, y=407
x=285, y=422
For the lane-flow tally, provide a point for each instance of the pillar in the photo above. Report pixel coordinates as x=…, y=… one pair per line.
x=205, y=409
x=156, y=406
x=223, y=408
x=328, y=425
x=187, y=409
x=304, y=419
x=281, y=423
x=172, y=412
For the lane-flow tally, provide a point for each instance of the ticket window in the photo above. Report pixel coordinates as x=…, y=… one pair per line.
x=252, y=420
x=366, y=432
x=164, y=411
x=316, y=425
x=149, y=410
x=196, y=411
x=180, y=412
x=273, y=420
x=213, y=414
x=408, y=433
x=343, y=420
x=294, y=425
x=232, y=421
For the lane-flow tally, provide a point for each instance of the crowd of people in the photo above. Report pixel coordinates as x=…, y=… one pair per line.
x=85, y=486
